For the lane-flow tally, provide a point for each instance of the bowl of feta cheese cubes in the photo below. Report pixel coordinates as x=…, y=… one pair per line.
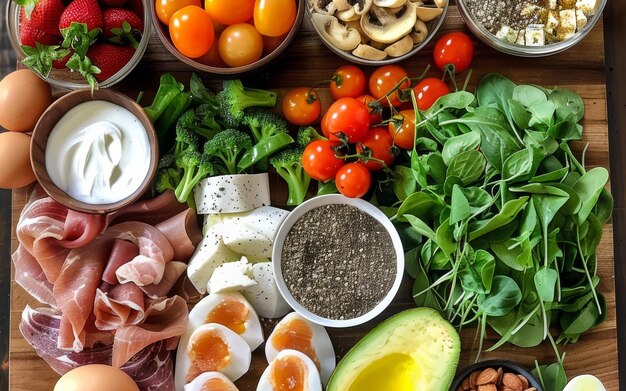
x=531, y=28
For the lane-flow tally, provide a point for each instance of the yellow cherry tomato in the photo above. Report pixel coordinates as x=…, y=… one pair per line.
x=166, y=8
x=191, y=30
x=274, y=17
x=240, y=44
x=229, y=12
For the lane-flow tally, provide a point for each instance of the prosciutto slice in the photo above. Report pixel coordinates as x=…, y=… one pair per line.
x=151, y=211
x=183, y=241
x=151, y=368
x=121, y=305
x=29, y=275
x=123, y=252
x=173, y=271
x=165, y=319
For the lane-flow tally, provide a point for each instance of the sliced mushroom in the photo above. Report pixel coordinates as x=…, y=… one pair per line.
x=348, y=15
x=389, y=3
x=381, y=26
x=440, y=3
x=338, y=35
x=400, y=47
x=356, y=24
x=369, y=53
x=361, y=6
x=419, y=33
x=324, y=7
x=428, y=13
x=342, y=5
x=378, y=45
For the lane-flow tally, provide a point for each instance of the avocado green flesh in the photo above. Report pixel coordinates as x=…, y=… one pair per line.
x=414, y=350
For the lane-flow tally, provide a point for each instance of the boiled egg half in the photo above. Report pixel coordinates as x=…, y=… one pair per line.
x=584, y=383
x=296, y=333
x=290, y=370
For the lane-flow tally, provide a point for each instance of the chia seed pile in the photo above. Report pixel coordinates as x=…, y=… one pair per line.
x=338, y=262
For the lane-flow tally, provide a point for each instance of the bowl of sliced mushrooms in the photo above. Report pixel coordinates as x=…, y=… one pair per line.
x=376, y=32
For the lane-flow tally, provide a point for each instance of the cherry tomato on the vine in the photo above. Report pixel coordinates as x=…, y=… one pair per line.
x=191, y=30
x=274, y=17
x=301, y=106
x=348, y=116
x=428, y=91
x=402, y=129
x=319, y=160
x=347, y=82
x=454, y=48
x=324, y=125
x=376, y=116
x=379, y=142
x=240, y=44
x=229, y=12
x=353, y=180
x=384, y=79
x=166, y=8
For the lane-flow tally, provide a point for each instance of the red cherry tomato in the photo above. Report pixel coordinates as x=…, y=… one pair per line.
x=324, y=125
x=191, y=30
x=319, y=160
x=384, y=79
x=353, y=180
x=379, y=142
x=347, y=82
x=375, y=114
x=428, y=91
x=348, y=116
x=404, y=133
x=456, y=49
x=301, y=106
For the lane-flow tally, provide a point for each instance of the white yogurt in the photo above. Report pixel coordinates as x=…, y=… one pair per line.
x=98, y=153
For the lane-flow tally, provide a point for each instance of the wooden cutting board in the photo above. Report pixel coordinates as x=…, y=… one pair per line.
x=306, y=62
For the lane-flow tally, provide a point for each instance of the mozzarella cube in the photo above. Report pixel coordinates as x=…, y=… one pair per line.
x=264, y=296
x=232, y=193
x=586, y=6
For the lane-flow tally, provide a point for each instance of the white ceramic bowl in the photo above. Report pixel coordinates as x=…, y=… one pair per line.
x=364, y=206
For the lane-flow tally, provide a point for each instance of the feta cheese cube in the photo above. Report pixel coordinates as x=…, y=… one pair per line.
x=567, y=24
x=535, y=35
x=521, y=37
x=552, y=4
x=507, y=34
x=586, y=6
x=552, y=23
x=581, y=20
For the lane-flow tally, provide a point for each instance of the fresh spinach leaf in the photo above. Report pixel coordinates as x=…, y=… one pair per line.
x=589, y=187
x=468, y=166
x=567, y=103
x=510, y=210
x=456, y=145
x=504, y=296
x=529, y=95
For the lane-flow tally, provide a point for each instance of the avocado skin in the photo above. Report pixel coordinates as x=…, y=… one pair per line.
x=420, y=320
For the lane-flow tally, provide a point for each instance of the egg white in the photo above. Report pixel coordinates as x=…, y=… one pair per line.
x=585, y=383
x=313, y=382
x=320, y=342
x=198, y=382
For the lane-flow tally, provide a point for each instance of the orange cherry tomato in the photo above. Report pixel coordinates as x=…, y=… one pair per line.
x=191, y=30
x=403, y=130
x=347, y=82
x=166, y=8
x=212, y=57
x=271, y=43
x=229, y=12
x=353, y=180
x=301, y=106
x=274, y=17
x=240, y=44
x=384, y=79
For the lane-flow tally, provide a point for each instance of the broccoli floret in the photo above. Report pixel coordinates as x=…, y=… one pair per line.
x=168, y=175
x=235, y=98
x=195, y=166
x=227, y=148
x=201, y=120
x=264, y=123
x=186, y=140
x=308, y=134
x=288, y=164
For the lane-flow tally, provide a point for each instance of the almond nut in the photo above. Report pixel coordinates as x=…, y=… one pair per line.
x=531, y=389
x=510, y=380
x=466, y=384
x=487, y=387
x=500, y=374
x=473, y=378
x=524, y=381
x=487, y=376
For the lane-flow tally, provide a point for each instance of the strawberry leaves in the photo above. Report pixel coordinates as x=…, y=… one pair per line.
x=79, y=38
x=84, y=66
x=28, y=5
x=126, y=34
x=40, y=57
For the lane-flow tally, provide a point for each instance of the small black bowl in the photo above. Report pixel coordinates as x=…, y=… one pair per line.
x=507, y=366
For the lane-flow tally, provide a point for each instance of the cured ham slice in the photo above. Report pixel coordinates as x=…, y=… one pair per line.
x=28, y=275
x=165, y=318
x=183, y=241
x=151, y=211
x=151, y=368
x=154, y=252
x=173, y=270
x=121, y=305
x=123, y=252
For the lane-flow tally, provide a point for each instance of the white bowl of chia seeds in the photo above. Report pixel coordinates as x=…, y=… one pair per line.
x=338, y=261
x=531, y=28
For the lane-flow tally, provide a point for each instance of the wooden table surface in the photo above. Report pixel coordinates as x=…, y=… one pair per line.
x=581, y=69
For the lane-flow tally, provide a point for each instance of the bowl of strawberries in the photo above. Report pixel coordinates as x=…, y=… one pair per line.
x=76, y=44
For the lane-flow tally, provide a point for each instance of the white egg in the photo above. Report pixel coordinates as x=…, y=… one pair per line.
x=295, y=332
x=212, y=347
x=211, y=381
x=584, y=383
x=290, y=370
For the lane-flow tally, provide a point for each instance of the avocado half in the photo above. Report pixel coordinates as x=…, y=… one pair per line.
x=415, y=350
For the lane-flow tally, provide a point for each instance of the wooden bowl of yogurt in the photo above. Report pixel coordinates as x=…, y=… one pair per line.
x=94, y=152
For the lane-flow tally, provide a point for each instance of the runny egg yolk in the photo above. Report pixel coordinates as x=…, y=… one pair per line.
x=230, y=313
x=395, y=371
x=216, y=384
x=296, y=335
x=288, y=374
x=207, y=352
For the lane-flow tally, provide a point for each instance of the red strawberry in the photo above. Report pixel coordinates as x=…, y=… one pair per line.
x=115, y=17
x=43, y=15
x=114, y=3
x=30, y=35
x=82, y=11
x=60, y=64
x=109, y=58
x=136, y=6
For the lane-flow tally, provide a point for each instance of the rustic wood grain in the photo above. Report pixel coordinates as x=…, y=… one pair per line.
x=308, y=61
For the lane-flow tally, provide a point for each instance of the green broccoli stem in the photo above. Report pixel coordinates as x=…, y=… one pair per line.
x=251, y=97
x=297, y=185
x=188, y=182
